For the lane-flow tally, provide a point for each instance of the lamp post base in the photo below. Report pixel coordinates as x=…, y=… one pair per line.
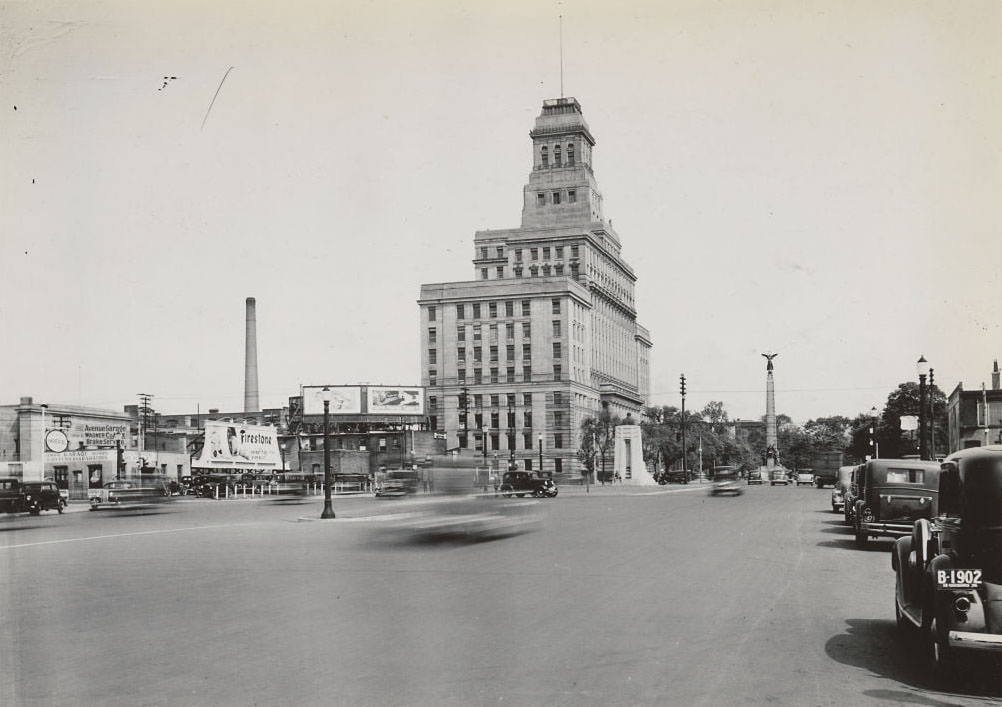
x=328, y=511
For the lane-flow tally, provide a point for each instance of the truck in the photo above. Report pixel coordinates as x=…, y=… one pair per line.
x=825, y=465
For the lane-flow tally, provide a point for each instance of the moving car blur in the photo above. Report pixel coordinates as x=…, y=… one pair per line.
x=726, y=480
x=457, y=512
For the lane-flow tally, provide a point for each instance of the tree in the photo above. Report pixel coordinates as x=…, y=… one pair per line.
x=601, y=430
x=905, y=400
x=829, y=432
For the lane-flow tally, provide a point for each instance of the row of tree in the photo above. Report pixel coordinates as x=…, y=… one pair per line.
x=710, y=438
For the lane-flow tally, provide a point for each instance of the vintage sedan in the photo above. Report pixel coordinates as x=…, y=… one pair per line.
x=894, y=493
x=841, y=487
x=17, y=496
x=948, y=571
x=129, y=493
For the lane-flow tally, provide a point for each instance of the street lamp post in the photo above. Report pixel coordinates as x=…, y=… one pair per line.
x=540, y=472
x=873, y=432
x=932, y=416
x=281, y=448
x=685, y=470
x=483, y=435
x=328, y=511
x=922, y=367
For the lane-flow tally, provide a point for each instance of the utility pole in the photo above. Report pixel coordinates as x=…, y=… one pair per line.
x=143, y=420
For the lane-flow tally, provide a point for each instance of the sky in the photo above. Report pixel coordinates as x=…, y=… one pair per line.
x=818, y=179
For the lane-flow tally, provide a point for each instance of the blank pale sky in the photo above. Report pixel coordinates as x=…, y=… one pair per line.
x=818, y=179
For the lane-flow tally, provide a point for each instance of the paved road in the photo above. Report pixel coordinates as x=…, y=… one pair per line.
x=622, y=598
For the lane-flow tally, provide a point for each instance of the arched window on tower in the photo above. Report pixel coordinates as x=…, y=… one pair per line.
x=556, y=156
x=570, y=155
x=544, y=156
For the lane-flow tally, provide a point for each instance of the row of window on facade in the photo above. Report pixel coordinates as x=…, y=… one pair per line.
x=474, y=440
x=555, y=197
x=492, y=308
x=558, y=157
x=526, y=329
x=494, y=399
x=534, y=253
x=544, y=270
x=493, y=352
x=494, y=376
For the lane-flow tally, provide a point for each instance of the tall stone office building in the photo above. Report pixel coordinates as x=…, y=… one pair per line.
x=546, y=332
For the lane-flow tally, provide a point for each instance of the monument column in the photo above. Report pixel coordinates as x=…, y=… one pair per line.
x=771, y=438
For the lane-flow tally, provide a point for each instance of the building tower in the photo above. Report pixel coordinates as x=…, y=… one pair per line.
x=546, y=331
x=771, y=436
x=251, y=403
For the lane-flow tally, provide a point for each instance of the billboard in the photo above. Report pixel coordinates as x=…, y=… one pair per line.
x=238, y=445
x=395, y=401
x=345, y=400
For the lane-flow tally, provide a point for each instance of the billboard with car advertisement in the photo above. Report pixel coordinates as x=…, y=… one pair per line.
x=238, y=445
x=395, y=400
x=345, y=400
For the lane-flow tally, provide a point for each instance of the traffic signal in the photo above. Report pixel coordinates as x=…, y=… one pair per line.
x=682, y=386
x=120, y=459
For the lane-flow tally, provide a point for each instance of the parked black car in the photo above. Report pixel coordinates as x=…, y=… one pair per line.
x=17, y=496
x=520, y=483
x=894, y=493
x=948, y=571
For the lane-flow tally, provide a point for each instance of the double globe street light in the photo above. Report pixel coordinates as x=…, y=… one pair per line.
x=922, y=368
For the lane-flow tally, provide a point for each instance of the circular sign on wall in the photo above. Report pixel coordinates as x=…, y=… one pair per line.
x=56, y=441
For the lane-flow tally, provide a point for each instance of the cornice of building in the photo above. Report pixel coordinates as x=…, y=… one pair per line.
x=437, y=292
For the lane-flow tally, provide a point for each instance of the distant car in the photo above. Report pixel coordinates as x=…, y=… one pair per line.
x=841, y=487
x=778, y=476
x=805, y=477
x=755, y=476
x=726, y=481
x=677, y=476
x=894, y=493
x=123, y=493
x=521, y=483
x=948, y=569
x=17, y=496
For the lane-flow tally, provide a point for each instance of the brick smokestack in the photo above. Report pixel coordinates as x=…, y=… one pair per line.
x=251, y=403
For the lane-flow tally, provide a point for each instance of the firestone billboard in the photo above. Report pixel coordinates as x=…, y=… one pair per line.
x=238, y=445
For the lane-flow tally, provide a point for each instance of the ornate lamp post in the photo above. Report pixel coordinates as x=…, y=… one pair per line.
x=922, y=368
x=328, y=508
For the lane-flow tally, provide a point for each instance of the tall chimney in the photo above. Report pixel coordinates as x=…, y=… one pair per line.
x=251, y=403
x=995, y=376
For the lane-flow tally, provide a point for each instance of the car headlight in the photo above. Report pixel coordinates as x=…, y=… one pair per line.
x=867, y=514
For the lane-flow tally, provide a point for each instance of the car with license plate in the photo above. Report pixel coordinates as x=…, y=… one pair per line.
x=129, y=493
x=755, y=476
x=805, y=477
x=522, y=483
x=726, y=481
x=948, y=570
x=841, y=487
x=894, y=493
x=18, y=496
